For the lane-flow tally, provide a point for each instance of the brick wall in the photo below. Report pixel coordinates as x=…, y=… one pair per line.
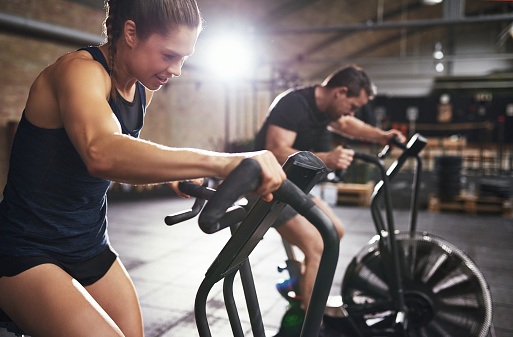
x=189, y=112
x=23, y=57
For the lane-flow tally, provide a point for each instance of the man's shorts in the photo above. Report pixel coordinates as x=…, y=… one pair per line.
x=86, y=272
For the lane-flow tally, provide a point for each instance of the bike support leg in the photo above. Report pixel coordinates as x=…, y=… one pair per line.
x=231, y=307
x=200, y=308
x=248, y=284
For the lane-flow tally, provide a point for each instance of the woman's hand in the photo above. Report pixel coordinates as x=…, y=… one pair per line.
x=174, y=186
x=272, y=172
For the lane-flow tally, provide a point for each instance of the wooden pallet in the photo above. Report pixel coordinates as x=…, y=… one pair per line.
x=472, y=204
x=358, y=194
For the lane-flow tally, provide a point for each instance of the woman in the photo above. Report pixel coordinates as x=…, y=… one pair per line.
x=58, y=274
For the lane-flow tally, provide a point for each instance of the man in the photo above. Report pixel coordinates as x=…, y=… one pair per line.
x=299, y=120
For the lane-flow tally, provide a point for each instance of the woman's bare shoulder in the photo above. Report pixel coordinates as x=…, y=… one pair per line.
x=77, y=70
x=71, y=77
x=77, y=61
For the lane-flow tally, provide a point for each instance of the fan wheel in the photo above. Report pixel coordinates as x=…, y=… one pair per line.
x=444, y=291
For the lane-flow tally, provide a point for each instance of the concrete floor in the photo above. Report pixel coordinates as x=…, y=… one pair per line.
x=167, y=264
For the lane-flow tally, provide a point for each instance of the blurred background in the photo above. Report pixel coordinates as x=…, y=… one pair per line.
x=442, y=68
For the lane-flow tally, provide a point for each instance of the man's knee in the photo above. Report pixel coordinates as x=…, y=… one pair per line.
x=339, y=226
x=302, y=234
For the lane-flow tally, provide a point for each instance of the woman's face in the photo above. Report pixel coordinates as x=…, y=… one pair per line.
x=156, y=59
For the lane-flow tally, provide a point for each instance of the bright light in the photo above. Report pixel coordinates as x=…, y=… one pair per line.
x=431, y=2
x=229, y=56
x=438, y=55
x=439, y=67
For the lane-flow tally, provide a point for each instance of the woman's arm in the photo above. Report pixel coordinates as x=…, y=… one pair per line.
x=82, y=93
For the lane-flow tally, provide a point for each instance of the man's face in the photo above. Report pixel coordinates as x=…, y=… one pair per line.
x=342, y=105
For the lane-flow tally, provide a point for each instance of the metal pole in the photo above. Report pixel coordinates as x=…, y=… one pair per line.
x=31, y=27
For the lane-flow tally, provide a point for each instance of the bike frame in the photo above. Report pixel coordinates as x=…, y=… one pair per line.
x=385, y=228
x=303, y=171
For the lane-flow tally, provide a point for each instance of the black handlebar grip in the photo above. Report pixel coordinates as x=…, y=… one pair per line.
x=195, y=190
x=173, y=219
x=364, y=157
x=201, y=193
x=396, y=142
x=386, y=150
x=243, y=179
x=290, y=194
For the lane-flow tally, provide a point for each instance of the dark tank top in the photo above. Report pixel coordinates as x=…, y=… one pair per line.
x=52, y=206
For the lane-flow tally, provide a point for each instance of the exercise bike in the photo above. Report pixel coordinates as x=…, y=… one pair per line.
x=303, y=171
x=248, y=229
x=403, y=283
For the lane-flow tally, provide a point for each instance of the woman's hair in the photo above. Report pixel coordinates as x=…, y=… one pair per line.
x=150, y=16
x=353, y=78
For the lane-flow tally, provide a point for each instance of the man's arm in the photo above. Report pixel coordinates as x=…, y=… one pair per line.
x=352, y=127
x=280, y=141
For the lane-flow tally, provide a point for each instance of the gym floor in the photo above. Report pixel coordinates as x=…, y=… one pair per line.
x=167, y=264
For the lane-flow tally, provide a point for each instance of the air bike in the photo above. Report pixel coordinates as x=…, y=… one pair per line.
x=303, y=170
x=408, y=283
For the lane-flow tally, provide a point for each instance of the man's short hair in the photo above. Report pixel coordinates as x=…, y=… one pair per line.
x=353, y=78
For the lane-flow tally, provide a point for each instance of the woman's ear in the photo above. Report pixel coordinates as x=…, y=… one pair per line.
x=130, y=33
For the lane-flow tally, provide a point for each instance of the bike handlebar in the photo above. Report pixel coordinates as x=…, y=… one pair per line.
x=201, y=193
x=386, y=150
x=243, y=179
x=396, y=142
x=410, y=149
x=218, y=213
x=195, y=190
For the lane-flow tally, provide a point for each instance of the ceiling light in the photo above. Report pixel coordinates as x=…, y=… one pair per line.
x=229, y=56
x=431, y=2
x=438, y=53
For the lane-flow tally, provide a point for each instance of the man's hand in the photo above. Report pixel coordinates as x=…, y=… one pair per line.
x=394, y=133
x=339, y=158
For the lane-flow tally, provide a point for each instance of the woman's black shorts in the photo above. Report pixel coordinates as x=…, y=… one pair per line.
x=86, y=272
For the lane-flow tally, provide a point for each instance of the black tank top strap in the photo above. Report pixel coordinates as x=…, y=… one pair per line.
x=98, y=56
x=132, y=125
